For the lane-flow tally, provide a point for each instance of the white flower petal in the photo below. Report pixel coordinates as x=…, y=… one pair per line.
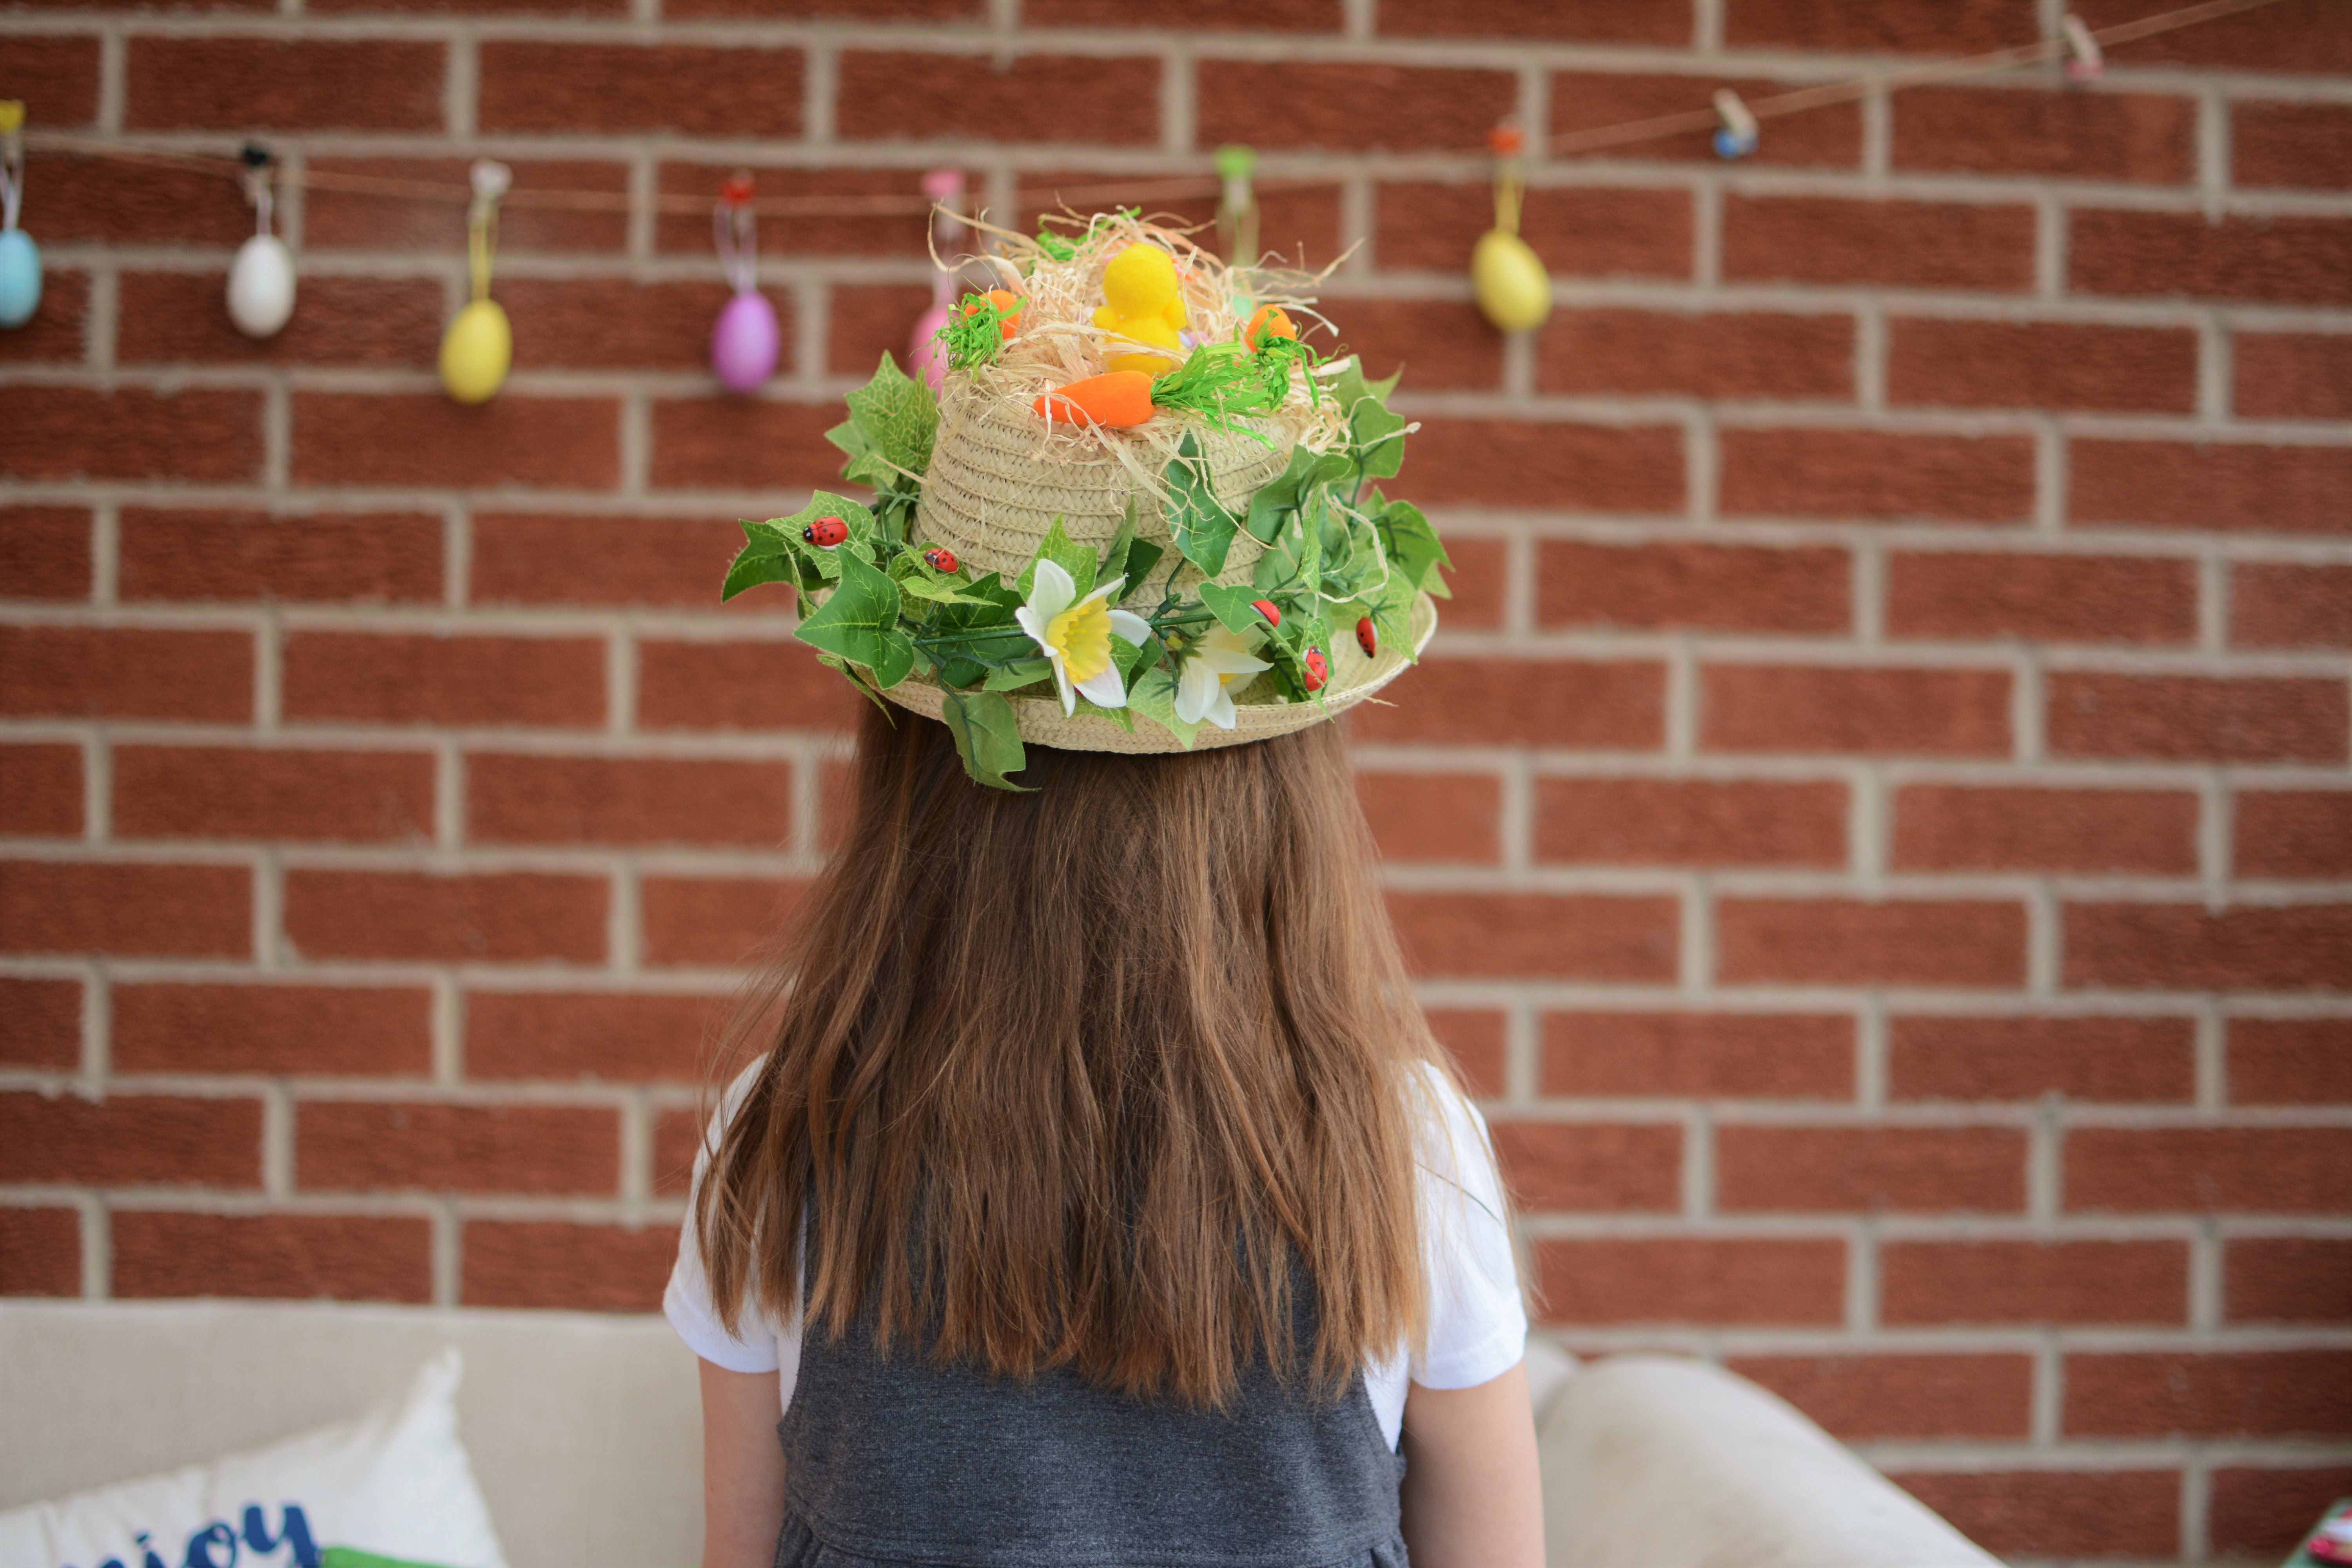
x=1034, y=625
x=1221, y=708
x=1051, y=590
x=1196, y=687
x=1131, y=626
x=1104, y=689
x=1062, y=685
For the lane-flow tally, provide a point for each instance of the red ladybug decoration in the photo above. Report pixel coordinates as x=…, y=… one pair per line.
x=1267, y=607
x=1318, y=669
x=940, y=559
x=1367, y=639
x=825, y=532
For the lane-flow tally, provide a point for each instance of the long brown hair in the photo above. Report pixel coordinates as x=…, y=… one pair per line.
x=1094, y=1076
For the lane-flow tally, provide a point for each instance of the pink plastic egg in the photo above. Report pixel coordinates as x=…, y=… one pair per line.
x=744, y=342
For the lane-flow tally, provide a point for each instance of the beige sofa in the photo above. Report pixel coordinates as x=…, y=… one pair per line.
x=584, y=1433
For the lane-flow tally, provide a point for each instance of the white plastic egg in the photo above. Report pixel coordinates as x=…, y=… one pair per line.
x=475, y=351
x=261, y=286
x=20, y=277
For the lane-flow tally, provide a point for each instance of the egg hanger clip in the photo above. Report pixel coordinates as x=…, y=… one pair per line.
x=746, y=339
x=1514, y=291
x=20, y=259
x=1237, y=206
x=946, y=189
x=1738, y=135
x=478, y=347
x=2084, y=60
x=261, y=278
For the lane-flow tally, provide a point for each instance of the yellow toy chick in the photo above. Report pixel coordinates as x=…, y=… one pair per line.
x=1140, y=284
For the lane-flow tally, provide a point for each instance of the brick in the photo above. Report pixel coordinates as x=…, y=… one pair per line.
x=869, y=321
x=197, y=434
x=540, y=8
x=2057, y=1513
x=2185, y=947
x=412, y=678
x=1734, y=588
x=2268, y=1393
x=1828, y=708
x=2307, y=144
x=1861, y=1397
x=1345, y=107
x=1848, y=942
x=2290, y=607
x=1861, y=1168
x=2285, y=260
x=2302, y=35
x=486, y=918
x=549, y=1264
x=713, y=921
x=2290, y=1061
x=861, y=10
x=40, y=1252
x=742, y=443
x=1962, y=363
x=1908, y=245
x=1454, y=817
x=40, y=791
x=2044, y=598
x=2281, y=1170
x=1611, y=704
x=611, y=323
x=1691, y=1279
x=2292, y=834
x=43, y=1025
x=49, y=906
x=1206, y=16
x=2037, y=1282
x=1476, y=1038
x=1827, y=137
x=424, y=438
x=534, y=799
x=1492, y=935
x=130, y=1140
x=2267, y=1512
x=2287, y=1279
x=85, y=199
x=2054, y=133
x=2233, y=719
x=678, y=1140
x=367, y=1145
x=1432, y=343
x=589, y=1035
x=358, y=1031
x=726, y=91
x=177, y=318
x=181, y=554
x=2126, y=1059
x=1590, y=1167
x=225, y=792
x=1665, y=22
x=1566, y=467
x=301, y=1257
x=1953, y=827
x=1597, y=231
x=2236, y=488
x=851, y=230
x=1932, y=26
x=1690, y=822
x=1073, y=99
x=1674, y=354
x=372, y=219
x=2291, y=375
x=1875, y=476
x=1479, y=578
x=1704, y=1055
x=58, y=333
x=45, y=552
x=180, y=83
x=126, y=672
x=55, y=75
x=740, y=686
x=541, y=558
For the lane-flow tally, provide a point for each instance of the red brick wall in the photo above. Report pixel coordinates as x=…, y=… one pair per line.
x=1876, y=824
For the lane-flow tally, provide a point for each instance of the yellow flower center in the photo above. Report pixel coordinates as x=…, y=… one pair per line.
x=1081, y=635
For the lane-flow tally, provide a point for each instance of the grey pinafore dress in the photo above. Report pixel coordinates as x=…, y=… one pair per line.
x=898, y=1461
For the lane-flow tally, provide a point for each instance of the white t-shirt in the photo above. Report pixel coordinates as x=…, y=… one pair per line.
x=1477, y=1322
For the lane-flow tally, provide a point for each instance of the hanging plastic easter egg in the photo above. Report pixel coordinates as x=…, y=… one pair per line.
x=20, y=277
x=1513, y=289
x=475, y=351
x=744, y=342
x=261, y=286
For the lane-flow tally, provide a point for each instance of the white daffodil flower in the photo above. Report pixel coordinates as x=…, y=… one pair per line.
x=1076, y=635
x=1215, y=662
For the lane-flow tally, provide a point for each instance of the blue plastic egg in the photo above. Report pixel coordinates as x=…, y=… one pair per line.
x=20, y=277
x=744, y=342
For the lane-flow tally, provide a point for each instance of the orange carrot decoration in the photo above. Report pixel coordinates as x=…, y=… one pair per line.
x=1118, y=399
x=1272, y=318
x=1008, y=305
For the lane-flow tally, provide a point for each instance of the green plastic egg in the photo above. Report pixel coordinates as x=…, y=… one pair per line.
x=1514, y=289
x=475, y=351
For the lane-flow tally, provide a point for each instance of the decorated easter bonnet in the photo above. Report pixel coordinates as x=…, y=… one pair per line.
x=1140, y=512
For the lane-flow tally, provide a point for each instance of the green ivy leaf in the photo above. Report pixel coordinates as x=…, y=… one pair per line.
x=1154, y=697
x=1014, y=677
x=1235, y=606
x=1130, y=557
x=1203, y=528
x=1410, y=543
x=986, y=737
x=767, y=556
x=1275, y=501
x=860, y=623
x=899, y=416
x=1390, y=607
x=1059, y=548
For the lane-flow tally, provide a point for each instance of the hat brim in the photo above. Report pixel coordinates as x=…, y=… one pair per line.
x=1042, y=722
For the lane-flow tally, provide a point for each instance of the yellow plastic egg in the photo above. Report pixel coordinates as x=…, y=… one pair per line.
x=475, y=351
x=1514, y=289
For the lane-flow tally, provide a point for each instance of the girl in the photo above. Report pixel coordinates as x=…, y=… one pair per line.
x=1101, y=1197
